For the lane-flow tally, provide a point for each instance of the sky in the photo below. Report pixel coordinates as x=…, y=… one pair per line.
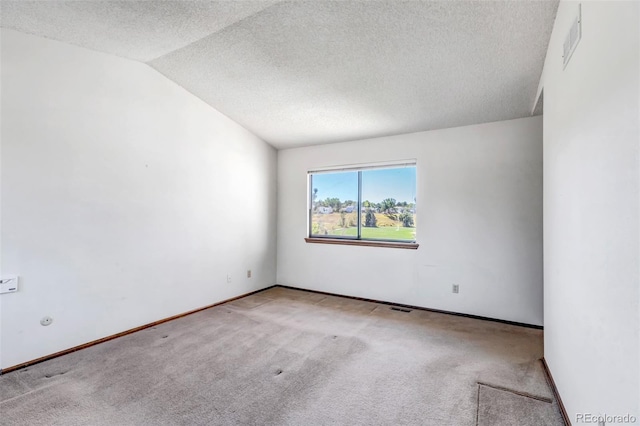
x=377, y=184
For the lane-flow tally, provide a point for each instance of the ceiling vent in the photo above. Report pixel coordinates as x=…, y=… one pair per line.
x=572, y=39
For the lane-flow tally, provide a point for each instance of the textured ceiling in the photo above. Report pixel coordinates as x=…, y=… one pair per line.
x=309, y=72
x=141, y=30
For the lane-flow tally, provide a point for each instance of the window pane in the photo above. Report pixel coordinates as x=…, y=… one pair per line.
x=334, y=204
x=389, y=204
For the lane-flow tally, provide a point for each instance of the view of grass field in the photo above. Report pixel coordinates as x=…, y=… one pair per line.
x=345, y=225
x=387, y=233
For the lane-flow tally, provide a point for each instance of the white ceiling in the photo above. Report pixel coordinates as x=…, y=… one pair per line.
x=140, y=30
x=309, y=72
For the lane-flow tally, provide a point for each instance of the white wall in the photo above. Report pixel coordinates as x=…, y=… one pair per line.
x=591, y=215
x=479, y=219
x=125, y=199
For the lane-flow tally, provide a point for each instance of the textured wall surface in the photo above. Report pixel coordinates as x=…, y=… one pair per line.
x=125, y=199
x=479, y=216
x=591, y=210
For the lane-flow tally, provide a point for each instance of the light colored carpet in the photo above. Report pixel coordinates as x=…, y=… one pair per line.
x=502, y=407
x=289, y=357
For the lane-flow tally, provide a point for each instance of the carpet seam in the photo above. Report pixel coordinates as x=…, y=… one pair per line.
x=519, y=393
x=28, y=393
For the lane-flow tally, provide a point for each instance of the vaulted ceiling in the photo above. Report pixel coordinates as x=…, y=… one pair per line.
x=310, y=72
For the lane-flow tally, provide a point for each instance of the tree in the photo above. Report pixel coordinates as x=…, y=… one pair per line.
x=407, y=219
x=388, y=205
x=343, y=220
x=334, y=203
x=315, y=228
x=370, y=219
x=314, y=206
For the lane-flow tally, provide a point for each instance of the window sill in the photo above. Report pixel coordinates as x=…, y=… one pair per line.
x=368, y=243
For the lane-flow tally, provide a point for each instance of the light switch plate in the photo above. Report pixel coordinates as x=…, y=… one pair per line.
x=9, y=284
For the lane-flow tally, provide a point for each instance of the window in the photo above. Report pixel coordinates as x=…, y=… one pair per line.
x=376, y=203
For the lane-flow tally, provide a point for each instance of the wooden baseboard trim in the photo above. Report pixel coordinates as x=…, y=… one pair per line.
x=382, y=302
x=554, y=389
x=124, y=333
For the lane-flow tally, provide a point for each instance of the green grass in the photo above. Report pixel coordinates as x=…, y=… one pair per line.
x=383, y=233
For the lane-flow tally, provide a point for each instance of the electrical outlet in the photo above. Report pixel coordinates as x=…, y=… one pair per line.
x=228, y=278
x=248, y=273
x=456, y=288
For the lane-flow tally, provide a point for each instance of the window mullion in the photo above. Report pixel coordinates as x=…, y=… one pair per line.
x=310, y=230
x=359, y=204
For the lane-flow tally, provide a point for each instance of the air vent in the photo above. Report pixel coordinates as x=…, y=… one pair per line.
x=395, y=308
x=572, y=39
